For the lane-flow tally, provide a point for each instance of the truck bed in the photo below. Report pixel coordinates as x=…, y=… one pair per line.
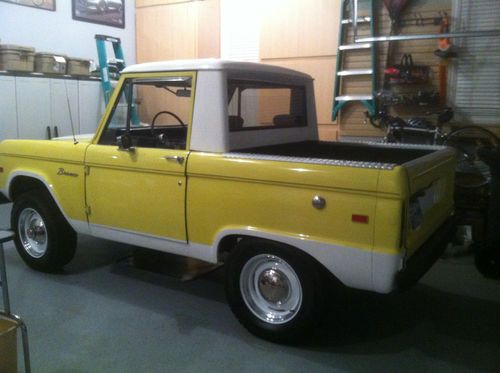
x=342, y=151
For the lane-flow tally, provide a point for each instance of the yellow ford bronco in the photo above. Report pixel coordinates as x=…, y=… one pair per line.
x=221, y=161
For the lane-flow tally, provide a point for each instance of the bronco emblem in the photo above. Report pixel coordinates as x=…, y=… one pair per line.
x=65, y=173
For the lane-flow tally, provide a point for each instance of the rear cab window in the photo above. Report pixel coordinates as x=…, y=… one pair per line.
x=259, y=105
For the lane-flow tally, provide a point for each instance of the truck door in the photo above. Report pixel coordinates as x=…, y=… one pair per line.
x=136, y=166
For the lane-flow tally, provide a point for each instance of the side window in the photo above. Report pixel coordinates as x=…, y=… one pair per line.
x=255, y=105
x=154, y=111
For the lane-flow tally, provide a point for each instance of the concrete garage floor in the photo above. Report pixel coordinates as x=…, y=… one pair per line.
x=104, y=315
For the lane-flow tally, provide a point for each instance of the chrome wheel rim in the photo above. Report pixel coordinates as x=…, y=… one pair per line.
x=271, y=289
x=32, y=233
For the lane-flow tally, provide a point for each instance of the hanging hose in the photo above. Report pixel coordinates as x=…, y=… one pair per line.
x=395, y=8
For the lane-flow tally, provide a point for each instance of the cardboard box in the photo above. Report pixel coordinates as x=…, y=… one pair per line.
x=78, y=67
x=8, y=346
x=17, y=58
x=49, y=63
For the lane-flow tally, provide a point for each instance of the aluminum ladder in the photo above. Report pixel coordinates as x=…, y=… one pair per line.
x=353, y=21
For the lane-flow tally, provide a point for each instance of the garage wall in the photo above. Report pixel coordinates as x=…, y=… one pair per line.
x=57, y=32
x=298, y=34
x=174, y=29
x=240, y=30
x=352, y=117
x=286, y=27
x=303, y=35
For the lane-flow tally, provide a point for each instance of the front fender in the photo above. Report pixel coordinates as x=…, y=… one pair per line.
x=57, y=165
x=67, y=194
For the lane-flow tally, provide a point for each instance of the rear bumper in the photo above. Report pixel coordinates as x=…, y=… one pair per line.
x=423, y=259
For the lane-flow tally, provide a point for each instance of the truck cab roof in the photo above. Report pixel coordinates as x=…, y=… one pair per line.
x=213, y=64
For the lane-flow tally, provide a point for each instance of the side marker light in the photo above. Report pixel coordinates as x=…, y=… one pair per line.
x=360, y=219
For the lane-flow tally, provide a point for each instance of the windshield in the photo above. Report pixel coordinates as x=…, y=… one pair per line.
x=154, y=112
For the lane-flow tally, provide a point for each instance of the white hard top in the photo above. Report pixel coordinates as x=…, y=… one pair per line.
x=212, y=64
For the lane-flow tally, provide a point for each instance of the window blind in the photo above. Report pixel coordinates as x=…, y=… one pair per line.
x=474, y=89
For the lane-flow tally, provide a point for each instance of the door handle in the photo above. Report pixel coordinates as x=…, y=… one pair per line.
x=175, y=158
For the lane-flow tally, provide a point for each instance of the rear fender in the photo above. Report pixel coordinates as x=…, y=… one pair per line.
x=351, y=266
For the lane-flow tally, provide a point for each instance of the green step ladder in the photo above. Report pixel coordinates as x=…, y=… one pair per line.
x=104, y=63
x=345, y=47
x=104, y=66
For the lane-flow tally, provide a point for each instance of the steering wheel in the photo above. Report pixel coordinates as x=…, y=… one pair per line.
x=165, y=112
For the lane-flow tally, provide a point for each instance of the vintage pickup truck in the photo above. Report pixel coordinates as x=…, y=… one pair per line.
x=220, y=161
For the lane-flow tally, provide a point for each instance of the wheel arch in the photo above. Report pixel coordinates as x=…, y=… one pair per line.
x=228, y=241
x=20, y=182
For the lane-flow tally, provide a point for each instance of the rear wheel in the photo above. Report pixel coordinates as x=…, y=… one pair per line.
x=274, y=290
x=43, y=238
x=471, y=170
x=487, y=261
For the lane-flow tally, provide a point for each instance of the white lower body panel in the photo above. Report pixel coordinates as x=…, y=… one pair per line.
x=356, y=268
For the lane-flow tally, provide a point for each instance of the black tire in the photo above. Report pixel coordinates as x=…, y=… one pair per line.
x=487, y=261
x=286, y=327
x=468, y=140
x=44, y=239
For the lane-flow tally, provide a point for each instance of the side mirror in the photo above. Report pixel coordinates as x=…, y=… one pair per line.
x=124, y=143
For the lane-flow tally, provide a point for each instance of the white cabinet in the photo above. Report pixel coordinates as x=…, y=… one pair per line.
x=30, y=104
x=33, y=107
x=63, y=96
x=8, y=110
x=91, y=104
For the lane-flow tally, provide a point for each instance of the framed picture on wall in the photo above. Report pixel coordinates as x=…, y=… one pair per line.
x=40, y=4
x=104, y=12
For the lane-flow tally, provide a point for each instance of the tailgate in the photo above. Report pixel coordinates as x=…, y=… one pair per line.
x=430, y=202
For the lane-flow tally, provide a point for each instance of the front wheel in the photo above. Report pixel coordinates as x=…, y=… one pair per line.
x=43, y=239
x=274, y=290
